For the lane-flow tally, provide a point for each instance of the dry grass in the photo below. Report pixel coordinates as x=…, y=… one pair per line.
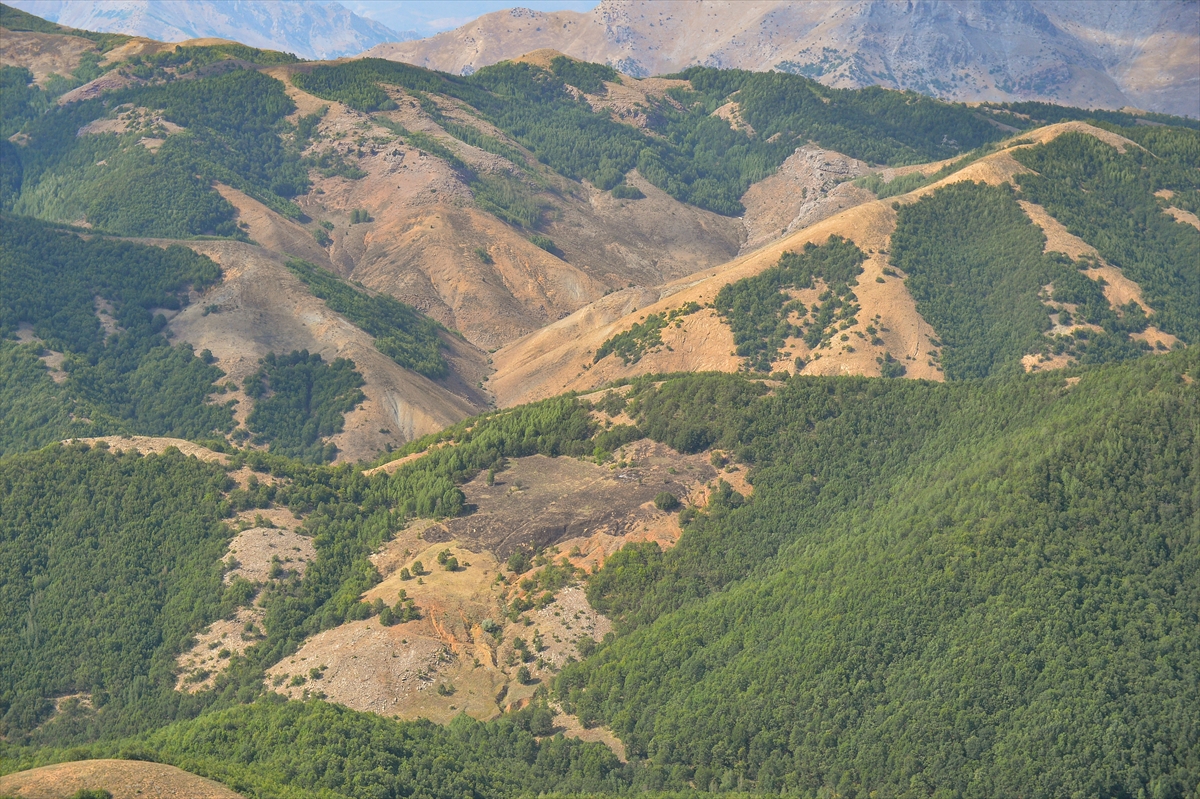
x=124, y=779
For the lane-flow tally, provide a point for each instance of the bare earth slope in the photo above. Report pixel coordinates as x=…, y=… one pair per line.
x=261, y=307
x=1092, y=53
x=124, y=779
x=560, y=357
x=427, y=237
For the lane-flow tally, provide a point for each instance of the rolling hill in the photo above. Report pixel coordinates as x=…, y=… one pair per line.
x=377, y=431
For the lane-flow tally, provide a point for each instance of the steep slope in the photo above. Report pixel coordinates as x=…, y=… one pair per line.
x=429, y=243
x=310, y=29
x=1105, y=54
x=888, y=325
x=261, y=307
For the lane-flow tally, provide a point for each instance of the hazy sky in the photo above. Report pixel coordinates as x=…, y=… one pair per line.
x=427, y=17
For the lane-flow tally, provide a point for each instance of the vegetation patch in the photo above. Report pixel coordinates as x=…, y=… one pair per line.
x=133, y=546
x=1107, y=199
x=130, y=381
x=401, y=332
x=976, y=269
x=233, y=123
x=643, y=337
x=760, y=311
x=299, y=400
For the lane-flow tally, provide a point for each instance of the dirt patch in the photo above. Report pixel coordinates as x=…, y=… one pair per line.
x=570, y=727
x=1182, y=216
x=560, y=356
x=43, y=54
x=147, y=445
x=272, y=230
x=53, y=360
x=255, y=551
x=210, y=655
x=809, y=186
x=537, y=501
x=260, y=554
x=124, y=779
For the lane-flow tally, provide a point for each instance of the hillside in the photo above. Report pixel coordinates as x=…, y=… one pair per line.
x=889, y=325
x=1076, y=549
x=123, y=779
x=370, y=430
x=1095, y=54
x=543, y=206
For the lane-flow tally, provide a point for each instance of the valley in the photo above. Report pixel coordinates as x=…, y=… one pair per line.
x=551, y=427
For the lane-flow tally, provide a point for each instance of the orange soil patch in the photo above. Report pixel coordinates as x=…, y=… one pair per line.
x=124, y=779
x=272, y=230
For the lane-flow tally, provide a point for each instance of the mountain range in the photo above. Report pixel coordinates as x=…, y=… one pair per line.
x=308, y=28
x=372, y=430
x=1090, y=53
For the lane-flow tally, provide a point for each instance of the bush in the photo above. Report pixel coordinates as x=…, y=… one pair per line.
x=623, y=191
x=666, y=501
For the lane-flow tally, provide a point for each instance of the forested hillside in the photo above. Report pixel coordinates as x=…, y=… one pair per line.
x=824, y=584
x=801, y=639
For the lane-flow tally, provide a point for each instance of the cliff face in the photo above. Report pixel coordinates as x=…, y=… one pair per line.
x=1092, y=53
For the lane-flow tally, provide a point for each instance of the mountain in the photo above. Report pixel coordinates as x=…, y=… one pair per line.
x=308, y=28
x=1089, y=53
x=377, y=431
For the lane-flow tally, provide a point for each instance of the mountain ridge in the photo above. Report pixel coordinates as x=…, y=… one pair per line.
x=1102, y=54
x=309, y=28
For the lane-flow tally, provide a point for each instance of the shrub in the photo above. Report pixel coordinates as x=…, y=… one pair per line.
x=667, y=501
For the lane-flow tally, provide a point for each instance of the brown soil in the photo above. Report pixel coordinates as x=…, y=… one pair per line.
x=261, y=307
x=43, y=54
x=124, y=779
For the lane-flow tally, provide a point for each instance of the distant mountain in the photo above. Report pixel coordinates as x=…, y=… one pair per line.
x=1090, y=53
x=308, y=28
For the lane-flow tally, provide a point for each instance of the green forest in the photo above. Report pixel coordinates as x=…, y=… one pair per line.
x=299, y=400
x=975, y=266
x=796, y=640
x=132, y=380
